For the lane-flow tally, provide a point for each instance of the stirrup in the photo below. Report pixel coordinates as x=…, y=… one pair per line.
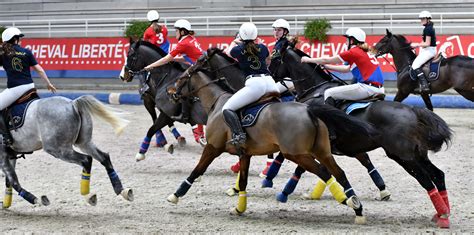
x=238, y=139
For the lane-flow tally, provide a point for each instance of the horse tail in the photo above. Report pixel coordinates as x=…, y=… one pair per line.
x=433, y=129
x=342, y=123
x=89, y=104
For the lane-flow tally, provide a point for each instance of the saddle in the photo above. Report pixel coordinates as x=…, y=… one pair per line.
x=249, y=114
x=430, y=68
x=15, y=113
x=349, y=106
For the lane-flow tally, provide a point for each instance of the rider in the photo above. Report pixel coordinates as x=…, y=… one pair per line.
x=189, y=50
x=252, y=60
x=281, y=30
x=427, y=52
x=156, y=33
x=370, y=80
x=16, y=61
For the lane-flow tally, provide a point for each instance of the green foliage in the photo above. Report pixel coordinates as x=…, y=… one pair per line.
x=317, y=29
x=136, y=29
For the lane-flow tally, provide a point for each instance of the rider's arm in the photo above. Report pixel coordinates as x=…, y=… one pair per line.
x=423, y=44
x=168, y=58
x=43, y=75
x=179, y=59
x=322, y=60
x=231, y=46
x=338, y=68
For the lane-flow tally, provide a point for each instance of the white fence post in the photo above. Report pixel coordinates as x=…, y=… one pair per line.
x=49, y=29
x=87, y=28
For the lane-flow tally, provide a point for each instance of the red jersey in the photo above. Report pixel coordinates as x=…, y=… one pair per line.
x=367, y=64
x=160, y=39
x=189, y=48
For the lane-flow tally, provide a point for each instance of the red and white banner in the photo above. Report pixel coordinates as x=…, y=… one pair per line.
x=109, y=53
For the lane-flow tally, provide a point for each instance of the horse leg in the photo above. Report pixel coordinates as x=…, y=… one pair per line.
x=273, y=171
x=290, y=185
x=374, y=174
x=264, y=172
x=437, y=177
x=400, y=96
x=208, y=155
x=12, y=180
x=104, y=159
x=416, y=170
x=427, y=100
x=170, y=123
x=8, y=197
x=242, y=183
x=154, y=129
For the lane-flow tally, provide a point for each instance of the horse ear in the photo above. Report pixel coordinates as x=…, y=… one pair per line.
x=388, y=32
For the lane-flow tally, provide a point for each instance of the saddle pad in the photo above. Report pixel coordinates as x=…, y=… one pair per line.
x=355, y=106
x=287, y=98
x=17, y=112
x=434, y=71
x=249, y=115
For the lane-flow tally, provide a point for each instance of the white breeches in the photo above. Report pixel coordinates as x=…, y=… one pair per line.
x=356, y=91
x=282, y=88
x=10, y=95
x=425, y=54
x=255, y=88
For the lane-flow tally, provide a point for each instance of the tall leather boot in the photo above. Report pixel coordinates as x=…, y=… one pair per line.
x=238, y=135
x=424, y=87
x=7, y=136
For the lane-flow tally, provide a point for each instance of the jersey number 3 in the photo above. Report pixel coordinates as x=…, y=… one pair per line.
x=160, y=37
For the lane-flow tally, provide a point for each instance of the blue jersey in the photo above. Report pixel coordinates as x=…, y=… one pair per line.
x=251, y=64
x=276, y=49
x=17, y=67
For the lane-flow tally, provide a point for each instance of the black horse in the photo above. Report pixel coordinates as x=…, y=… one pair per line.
x=456, y=72
x=140, y=54
x=408, y=132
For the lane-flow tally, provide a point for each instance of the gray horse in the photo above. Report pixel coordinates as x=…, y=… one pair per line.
x=55, y=125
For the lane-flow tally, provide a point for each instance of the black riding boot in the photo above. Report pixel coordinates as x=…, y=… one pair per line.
x=7, y=136
x=330, y=101
x=424, y=87
x=232, y=120
x=185, y=112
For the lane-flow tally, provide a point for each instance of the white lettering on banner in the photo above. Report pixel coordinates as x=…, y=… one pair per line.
x=470, y=50
x=114, y=51
x=48, y=51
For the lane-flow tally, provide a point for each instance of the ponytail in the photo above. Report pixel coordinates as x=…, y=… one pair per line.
x=250, y=47
x=7, y=49
x=364, y=46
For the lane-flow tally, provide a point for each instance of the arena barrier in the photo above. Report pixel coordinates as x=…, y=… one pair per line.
x=439, y=101
x=104, y=57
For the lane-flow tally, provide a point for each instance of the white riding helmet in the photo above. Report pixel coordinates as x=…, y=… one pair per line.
x=11, y=32
x=357, y=33
x=182, y=24
x=152, y=15
x=281, y=23
x=424, y=14
x=248, y=31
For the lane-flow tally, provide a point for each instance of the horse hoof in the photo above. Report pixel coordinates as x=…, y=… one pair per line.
x=198, y=179
x=91, y=199
x=235, y=211
x=181, y=141
x=45, y=201
x=140, y=157
x=443, y=222
x=231, y=192
x=267, y=183
x=127, y=194
x=435, y=218
x=353, y=202
x=169, y=148
x=281, y=197
x=173, y=199
x=385, y=195
x=360, y=220
x=202, y=141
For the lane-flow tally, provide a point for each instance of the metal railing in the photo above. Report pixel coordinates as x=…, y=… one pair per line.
x=222, y=25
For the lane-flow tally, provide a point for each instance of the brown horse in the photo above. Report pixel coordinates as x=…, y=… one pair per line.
x=457, y=72
x=307, y=140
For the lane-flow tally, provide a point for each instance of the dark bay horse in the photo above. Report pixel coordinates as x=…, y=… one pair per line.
x=307, y=141
x=140, y=54
x=408, y=132
x=457, y=72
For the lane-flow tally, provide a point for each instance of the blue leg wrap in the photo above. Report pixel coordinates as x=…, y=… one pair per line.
x=175, y=132
x=145, y=145
x=183, y=188
x=27, y=196
x=160, y=139
x=374, y=174
x=275, y=167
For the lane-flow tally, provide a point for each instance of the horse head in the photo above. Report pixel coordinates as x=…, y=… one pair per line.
x=391, y=43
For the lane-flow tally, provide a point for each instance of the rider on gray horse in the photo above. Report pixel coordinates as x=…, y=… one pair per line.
x=16, y=61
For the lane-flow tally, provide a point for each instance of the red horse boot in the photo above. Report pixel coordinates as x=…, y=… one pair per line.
x=264, y=172
x=442, y=210
x=236, y=167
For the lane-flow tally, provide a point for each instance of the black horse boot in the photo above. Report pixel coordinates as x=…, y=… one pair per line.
x=238, y=135
x=7, y=136
x=185, y=112
x=424, y=87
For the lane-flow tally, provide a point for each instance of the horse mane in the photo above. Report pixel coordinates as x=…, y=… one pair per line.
x=402, y=39
x=180, y=66
x=214, y=50
x=316, y=67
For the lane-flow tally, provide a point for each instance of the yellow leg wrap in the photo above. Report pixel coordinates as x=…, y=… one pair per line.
x=237, y=182
x=336, y=190
x=242, y=205
x=7, y=199
x=85, y=183
x=318, y=190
